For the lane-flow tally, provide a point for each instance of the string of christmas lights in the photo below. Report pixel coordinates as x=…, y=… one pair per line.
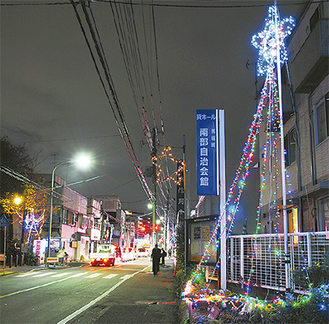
x=176, y=176
x=267, y=42
x=32, y=224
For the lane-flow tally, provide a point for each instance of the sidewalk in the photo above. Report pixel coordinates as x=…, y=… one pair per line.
x=147, y=300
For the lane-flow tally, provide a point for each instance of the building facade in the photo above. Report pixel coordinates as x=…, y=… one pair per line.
x=75, y=222
x=306, y=130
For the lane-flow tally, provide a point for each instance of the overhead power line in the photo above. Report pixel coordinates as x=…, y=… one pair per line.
x=68, y=139
x=47, y=190
x=103, y=72
x=173, y=4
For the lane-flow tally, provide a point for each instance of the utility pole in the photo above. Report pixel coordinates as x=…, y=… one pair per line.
x=102, y=223
x=154, y=178
x=166, y=229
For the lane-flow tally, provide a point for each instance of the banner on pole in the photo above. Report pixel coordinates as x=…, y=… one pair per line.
x=207, y=146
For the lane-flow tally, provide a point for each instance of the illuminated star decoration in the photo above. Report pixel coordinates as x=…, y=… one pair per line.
x=176, y=176
x=270, y=38
x=268, y=42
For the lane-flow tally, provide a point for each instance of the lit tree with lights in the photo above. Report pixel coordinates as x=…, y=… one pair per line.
x=272, y=55
x=15, y=162
x=27, y=212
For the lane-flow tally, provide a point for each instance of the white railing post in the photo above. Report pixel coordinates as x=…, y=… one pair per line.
x=242, y=258
x=309, y=250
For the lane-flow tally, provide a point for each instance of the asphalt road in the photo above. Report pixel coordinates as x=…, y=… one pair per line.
x=126, y=293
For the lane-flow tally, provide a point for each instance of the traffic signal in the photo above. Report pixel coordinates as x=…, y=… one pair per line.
x=157, y=227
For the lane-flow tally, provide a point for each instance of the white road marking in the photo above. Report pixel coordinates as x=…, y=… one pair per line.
x=112, y=275
x=44, y=285
x=61, y=274
x=127, y=276
x=26, y=274
x=43, y=274
x=94, y=275
x=33, y=288
x=78, y=275
x=94, y=301
x=65, y=320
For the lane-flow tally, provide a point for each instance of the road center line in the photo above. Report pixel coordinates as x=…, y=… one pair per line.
x=44, y=285
x=94, y=301
x=33, y=288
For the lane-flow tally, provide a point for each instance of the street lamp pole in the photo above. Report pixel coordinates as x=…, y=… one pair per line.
x=51, y=202
x=82, y=160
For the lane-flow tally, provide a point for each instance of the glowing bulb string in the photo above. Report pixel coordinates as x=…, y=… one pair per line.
x=32, y=225
x=177, y=174
x=268, y=42
x=241, y=174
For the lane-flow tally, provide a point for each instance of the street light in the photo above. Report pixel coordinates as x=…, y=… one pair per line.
x=17, y=201
x=82, y=161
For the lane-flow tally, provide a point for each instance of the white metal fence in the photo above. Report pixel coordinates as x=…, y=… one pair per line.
x=260, y=259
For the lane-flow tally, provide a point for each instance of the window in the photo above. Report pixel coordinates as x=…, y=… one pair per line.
x=293, y=222
x=323, y=208
x=65, y=217
x=290, y=145
x=322, y=120
x=314, y=19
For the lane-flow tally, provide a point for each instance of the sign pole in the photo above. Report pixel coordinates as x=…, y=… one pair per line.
x=4, y=223
x=222, y=172
x=4, y=248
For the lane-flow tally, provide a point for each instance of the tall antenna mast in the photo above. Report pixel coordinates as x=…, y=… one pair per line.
x=283, y=161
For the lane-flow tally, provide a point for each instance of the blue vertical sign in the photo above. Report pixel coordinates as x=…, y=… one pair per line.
x=207, y=122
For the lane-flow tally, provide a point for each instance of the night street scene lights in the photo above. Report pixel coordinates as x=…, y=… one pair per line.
x=18, y=200
x=82, y=161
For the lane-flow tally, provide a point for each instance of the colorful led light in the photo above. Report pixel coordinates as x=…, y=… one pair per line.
x=268, y=42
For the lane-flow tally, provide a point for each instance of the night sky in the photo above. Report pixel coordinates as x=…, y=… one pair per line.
x=53, y=101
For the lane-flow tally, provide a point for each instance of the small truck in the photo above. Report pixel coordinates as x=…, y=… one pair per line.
x=105, y=255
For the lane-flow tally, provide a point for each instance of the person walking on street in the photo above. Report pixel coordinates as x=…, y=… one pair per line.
x=156, y=254
x=163, y=255
x=61, y=256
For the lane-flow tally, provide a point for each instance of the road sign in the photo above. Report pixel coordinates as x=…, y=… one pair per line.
x=4, y=221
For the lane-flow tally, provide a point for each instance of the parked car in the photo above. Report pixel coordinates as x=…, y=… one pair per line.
x=142, y=252
x=128, y=254
x=105, y=255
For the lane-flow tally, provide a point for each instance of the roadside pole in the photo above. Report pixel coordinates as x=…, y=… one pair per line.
x=4, y=223
x=222, y=197
x=4, y=248
x=154, y=178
